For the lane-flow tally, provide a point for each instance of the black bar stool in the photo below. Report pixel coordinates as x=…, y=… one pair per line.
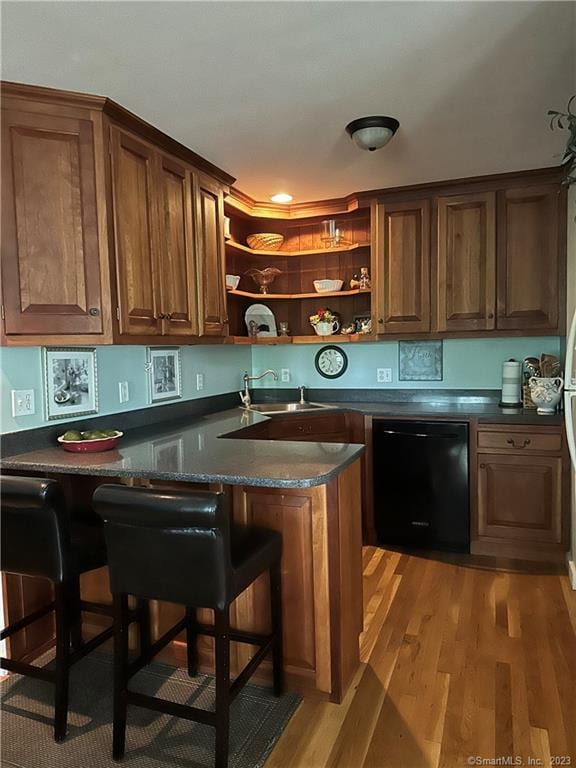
x=40, y=539
x=181, y=547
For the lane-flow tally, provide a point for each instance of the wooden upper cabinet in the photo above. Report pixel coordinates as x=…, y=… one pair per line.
x=530, y=272
x=178, y=248
x=136, y=234
x=466, y=262
x=51, y=260
x=211, y=263
x=403, y=267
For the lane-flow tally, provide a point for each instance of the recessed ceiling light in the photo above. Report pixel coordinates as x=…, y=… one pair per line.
x=281, y=197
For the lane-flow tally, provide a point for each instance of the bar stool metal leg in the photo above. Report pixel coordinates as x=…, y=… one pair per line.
x=191, y=640
x=276, y=613
x=120, y=675
x=62, y=672
x=222, y=654
x=143, y=612
x=76, y=617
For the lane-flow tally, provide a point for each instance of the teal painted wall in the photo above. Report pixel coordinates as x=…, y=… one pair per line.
x=468, y=363
x=21, y=368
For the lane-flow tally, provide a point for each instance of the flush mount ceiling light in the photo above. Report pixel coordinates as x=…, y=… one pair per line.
x=281, y=197
x=372, y=132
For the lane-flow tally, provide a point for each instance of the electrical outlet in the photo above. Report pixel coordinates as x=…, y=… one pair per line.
x=383, y=375
x=199, y=382
x=285, y=375
x=123, y=391
x=23, y=403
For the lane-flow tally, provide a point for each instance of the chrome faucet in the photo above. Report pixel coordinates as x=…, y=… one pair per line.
x=245, y=395
x=302, y=399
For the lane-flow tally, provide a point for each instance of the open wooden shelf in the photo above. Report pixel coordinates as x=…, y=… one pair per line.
x=280, y=254
x=335, y=338
x=313, y=295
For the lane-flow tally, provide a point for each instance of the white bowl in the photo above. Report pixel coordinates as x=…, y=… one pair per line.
x=232, y=282
x=328, y=286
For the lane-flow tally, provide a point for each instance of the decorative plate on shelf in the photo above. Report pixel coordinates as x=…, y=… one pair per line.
x=264, y=319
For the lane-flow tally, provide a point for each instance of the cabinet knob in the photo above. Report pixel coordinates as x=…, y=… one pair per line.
x=490, y=315
x=482, y=466
x=94, y=311
x=380, y=321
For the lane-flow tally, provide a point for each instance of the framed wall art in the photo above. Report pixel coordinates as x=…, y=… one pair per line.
x=420, y=361
x=70, y=381
x=164, y=373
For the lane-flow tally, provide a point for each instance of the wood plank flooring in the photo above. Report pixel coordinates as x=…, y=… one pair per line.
x=460, y=660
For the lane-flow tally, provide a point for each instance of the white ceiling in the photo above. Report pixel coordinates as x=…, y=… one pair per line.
x=265, y=89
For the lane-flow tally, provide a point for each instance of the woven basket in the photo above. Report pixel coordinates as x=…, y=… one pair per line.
x=265, y=241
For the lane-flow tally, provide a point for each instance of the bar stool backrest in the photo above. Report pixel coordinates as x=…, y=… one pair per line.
x=35, y=528
x=166, y=545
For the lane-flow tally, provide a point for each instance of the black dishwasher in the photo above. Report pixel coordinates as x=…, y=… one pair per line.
x=421, y=484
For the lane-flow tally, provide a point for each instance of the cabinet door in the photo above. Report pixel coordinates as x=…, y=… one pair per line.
x=50, y=245
x=177, y=253
x=134, y=189
x=403, y=255
x=520, y=497
x=466, y=263
x=211, y=267
x=529, y=271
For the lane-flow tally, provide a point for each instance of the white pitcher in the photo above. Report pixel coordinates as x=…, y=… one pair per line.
x=326, y=329
x=546, y=393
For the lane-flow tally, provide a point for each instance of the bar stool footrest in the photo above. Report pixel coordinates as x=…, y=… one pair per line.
x=203, y=716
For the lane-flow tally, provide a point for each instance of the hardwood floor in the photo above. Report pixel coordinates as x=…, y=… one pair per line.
x=460, y=661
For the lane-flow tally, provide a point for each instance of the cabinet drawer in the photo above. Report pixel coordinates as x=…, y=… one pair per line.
x=295, y=428
x=526, y=442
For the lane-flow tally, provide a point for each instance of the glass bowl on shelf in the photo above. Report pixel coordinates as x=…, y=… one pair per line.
x=264, y=277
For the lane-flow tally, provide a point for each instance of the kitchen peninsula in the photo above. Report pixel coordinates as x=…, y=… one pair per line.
x=310, y=492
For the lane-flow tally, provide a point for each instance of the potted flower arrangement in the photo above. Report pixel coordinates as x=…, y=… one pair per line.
x=324, y=322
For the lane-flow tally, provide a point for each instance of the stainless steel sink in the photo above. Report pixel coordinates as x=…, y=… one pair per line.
x=284, y=407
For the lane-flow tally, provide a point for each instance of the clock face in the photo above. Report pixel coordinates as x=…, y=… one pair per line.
x=331, y=362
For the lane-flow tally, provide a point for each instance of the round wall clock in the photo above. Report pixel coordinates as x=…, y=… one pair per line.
x=331, y=361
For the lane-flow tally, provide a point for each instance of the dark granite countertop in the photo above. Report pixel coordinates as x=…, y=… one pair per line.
x=195, y=452
x=479, y=405
x=484, y=413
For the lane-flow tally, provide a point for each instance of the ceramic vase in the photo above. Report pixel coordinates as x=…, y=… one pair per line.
x=546, y=393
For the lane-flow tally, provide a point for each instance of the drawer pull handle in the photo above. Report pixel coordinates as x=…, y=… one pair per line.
x=511, y=442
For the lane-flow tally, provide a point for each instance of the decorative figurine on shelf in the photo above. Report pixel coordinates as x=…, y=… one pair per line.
x=325, y=322
x=355, y=282
x=365, y=282
x=363, y=324
x=263, y=277
x=347, y=329
x=284, y=328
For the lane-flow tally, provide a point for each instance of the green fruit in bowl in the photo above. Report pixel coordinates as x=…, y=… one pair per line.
x=71, y=436
x=110, y=432
x=95, y=434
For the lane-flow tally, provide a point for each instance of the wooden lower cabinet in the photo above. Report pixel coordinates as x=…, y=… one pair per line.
x=520, y=494
x=322, y=603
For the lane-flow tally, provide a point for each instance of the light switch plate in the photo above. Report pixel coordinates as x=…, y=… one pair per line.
x=383, y=375
x=123, y=391
x=285, y=375
x=199, y=382
x=23, y=402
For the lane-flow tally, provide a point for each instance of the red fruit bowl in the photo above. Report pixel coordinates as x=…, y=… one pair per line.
x=91, y=446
